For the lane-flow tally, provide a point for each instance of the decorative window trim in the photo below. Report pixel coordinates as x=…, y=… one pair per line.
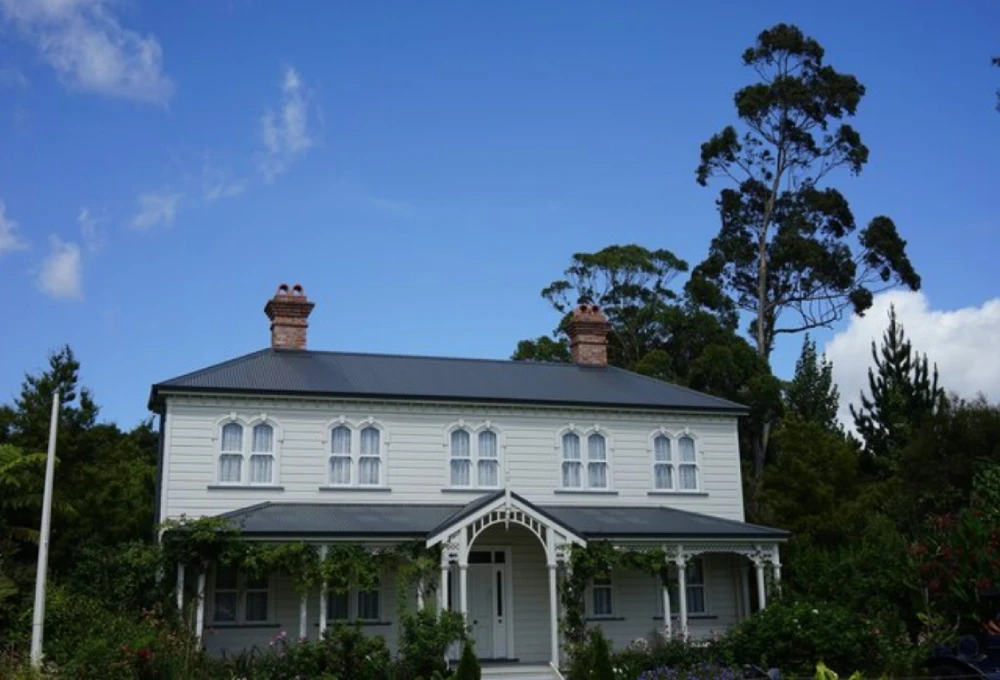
x=674, y=437
x=241, y=602
x=474, y=431
x=356, y=427
x=584, y=434
x=246, y=450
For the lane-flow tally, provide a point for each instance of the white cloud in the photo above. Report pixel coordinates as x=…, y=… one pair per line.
x=62, y=272
x=10, y=240
x=83, y=41
x=156, y=210
x=92, y=235
x=219, y=183
x=286, y=133
x=962, y=342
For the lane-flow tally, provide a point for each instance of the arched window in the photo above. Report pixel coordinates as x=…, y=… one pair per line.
x=489, y=459
x=597, y=462
x=370, y=457
x=572, y=465
x=262, y=455
x=663, y=468
x=461, y=458
x=231, y=454
x=688, y=464
x=340, y=456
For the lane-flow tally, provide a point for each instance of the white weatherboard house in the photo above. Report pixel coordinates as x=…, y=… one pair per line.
x=504, y=464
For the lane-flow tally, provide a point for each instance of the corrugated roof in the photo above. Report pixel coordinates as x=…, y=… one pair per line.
x=419, y=521
x=342, y=374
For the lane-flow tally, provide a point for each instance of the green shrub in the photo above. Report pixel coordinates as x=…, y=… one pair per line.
x=674, y=654
x=468, y=666
x=794, y=636
x=592, y=661
x=424, y=637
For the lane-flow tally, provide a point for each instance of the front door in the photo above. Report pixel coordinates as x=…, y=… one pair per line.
x=487, y=603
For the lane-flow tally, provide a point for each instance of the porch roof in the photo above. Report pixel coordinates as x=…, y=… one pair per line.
x=359, y=520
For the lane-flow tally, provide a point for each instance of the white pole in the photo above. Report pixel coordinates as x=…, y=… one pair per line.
x=38, y=620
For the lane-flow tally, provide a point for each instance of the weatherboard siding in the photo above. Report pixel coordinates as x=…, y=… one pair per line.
x=416, y=454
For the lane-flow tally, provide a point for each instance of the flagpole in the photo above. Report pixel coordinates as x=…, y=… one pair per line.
x=38, y=621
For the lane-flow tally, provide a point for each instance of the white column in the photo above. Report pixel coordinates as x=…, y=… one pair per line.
x=322, y=596
x=668, y=623
x=443, y=587
x=303, y=616
x=463, y=589
x=180, y=588
x=761, y=594
x=682, y=595
x=776, y=569
x=553, y=614
x=199, y=620
x=420, y=594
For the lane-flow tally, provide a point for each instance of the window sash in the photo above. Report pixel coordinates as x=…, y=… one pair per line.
x=369, y=471
x=340, y=470
x=369, y=605
x=489, y=473
x=461, y=472
x=230, y=468
x=261, y=468
x=688, y=474
x=572, y=474
x=338, y=606
x=340, y=440
x=597, y=475
x=601, y=602
x=232, y=438
x=239, y=599
x=663, y=476
x=263, y=439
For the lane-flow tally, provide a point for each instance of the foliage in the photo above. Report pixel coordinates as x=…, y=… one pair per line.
x=904, y=392
x=673, y=658
x=468, y=665
x=542, y=348
x=811, y=394
x=782, y=246
x=592, y=660
x=706, y=671
x=795, y=635
x=424, y=636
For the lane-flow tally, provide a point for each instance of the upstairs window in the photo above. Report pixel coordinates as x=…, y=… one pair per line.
x=663, y=469
x=356, y=456
x=231, y=456
x=340, y=456
x=370, y=458
x=688, y=465
x=597, y=462
x=247, y=454
x=461, y=459
x=675, y=463
x=572, y=465
x=489, y=459
x=262, y=455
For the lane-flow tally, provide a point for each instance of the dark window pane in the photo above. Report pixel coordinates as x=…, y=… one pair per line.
x=368, y=605
x=336, y=607
x=258, y=583
x=499, y=592
x=451, y=604
x=479, y=557
x=256, y=606
x=499, y=556
x=225, y=607
x=225, y=578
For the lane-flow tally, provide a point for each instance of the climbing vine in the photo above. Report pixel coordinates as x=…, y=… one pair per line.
x=198, y=543
x=596, y=561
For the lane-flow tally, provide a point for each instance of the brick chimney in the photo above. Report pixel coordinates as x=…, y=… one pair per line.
x=588, y=336
x=289, y=312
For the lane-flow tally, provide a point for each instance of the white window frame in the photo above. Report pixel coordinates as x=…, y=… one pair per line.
x=246, y=451
x=675, y=463
x=241, y=591
x=591, y=612
x=672, y=580
x=584, y=436
x=474, y=432
x=353, y=595
x=356, y=427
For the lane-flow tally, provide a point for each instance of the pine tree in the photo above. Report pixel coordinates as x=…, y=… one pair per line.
x=812, y=395
x=904, y=392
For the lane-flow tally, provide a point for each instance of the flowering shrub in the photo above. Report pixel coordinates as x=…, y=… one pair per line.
x=701, y=671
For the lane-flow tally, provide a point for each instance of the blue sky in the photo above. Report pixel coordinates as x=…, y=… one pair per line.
x=424, y=169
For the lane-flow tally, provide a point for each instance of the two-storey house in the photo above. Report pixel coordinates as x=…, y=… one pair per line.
x=505, y=464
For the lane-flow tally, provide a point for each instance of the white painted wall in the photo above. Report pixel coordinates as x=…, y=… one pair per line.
x=416, y=453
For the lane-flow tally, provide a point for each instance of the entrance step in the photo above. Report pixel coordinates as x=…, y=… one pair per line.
x=519, y=671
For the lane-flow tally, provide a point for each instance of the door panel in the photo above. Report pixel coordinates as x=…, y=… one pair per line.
x=481, y=596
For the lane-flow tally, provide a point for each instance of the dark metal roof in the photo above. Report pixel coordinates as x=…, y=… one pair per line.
x=421, y=521
x=342, y=374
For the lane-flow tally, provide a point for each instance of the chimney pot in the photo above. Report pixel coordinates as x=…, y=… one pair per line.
x=289, y=311
x=588, y=336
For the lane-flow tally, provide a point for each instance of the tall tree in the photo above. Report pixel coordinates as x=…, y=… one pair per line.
x=812, y=395
x=783, y=242
x=904, y=393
